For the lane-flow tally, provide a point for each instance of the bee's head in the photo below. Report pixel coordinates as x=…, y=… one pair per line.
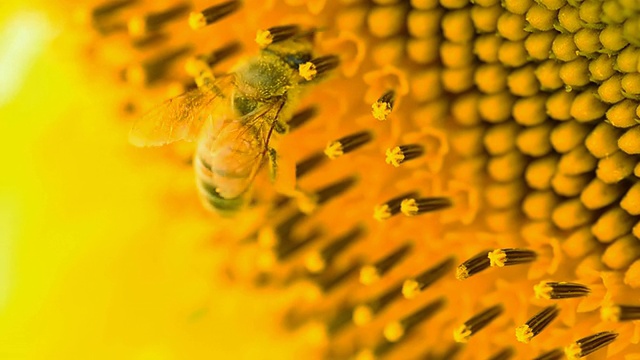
x=294, y=51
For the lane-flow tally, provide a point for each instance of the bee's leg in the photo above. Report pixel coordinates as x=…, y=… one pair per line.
x=273, y=164
x=281, y=127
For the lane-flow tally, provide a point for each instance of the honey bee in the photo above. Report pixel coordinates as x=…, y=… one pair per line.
x=233, y=116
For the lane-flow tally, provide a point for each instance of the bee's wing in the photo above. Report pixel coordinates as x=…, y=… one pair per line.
x=181, y=117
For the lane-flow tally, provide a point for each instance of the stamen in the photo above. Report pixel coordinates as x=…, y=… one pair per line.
x=109, y=8
x=142, y=25
x=283, y=230
x=318, y=66
x=328, y=282
x=275, y=34
x=620, y=313
x=308, y=203
x=148, y=40
x=204, y=62
x=552, y=290
x=555, y=354
x=318, y=260
x=589, y=344
x=412, y=207
x=309, y=164
x=347, y=144
x=198, y=20
x=341, y=318
x=508, y=257
x=396, y=330
x=402, y=153
x=301, y=117
x=504, y=354
x=287, y=249
x=536, y=324
x=476, y=323
x=382, y=108
x=154, y=69
x=369, y=274
x=412, y=287
x=364, y=313
x=473, y=266
x=391, y=207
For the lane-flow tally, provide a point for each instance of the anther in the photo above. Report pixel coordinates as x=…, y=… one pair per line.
x=382, y=108
x=369, y=274
x=302, y=117
x=282, y=231
x=391, y=207
x=142, y=25
x=589, y=344
x=536, y=324
x=148, y=40
x=508, y=257
x=275, y=34
x=552, y=290
x=555, y=354
x=204, y=62
x=473, y=266
x=109, y=8
x=309, y=202
x=309, y=164
x=154, y=69
x=198, y=20
x=341, y=318
x=319, y=260
x=287, y=249
x=505, y=354
x=318, y=67
x=364, y=313
x=347, y=144
x=402, y=153
x=620, y=313
x=326, y=283
x=412, y=207
x=396, y=330
x=476, y=323
x=414, y=286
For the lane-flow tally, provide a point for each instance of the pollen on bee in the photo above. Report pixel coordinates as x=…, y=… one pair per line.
x=391, y=207
x=142, y=25
x=347, y=144
x=589, y=344
x=198, y=20
x=383, y=106
x=507, y=257
x=369, y=274
x=318, y=66
x=473, y=266
x=617, y=313
x=536, y=324
x=476, y=323
x=412, y=287
x=402, y=153
x=412, y=207
x=275, y=34
x=552, y=290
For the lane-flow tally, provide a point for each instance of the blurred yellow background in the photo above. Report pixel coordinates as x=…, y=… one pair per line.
x=91, y=267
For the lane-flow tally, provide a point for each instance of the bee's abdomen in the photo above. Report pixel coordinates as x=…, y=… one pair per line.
x=207, y=189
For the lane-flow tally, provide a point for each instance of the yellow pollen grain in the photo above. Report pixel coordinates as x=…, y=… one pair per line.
x=409, y=207
x=524, y=334
x=394, y=156
x=197, y=20
x=362, y=315
x=308, y=71
x=381, y=212
x=497, y=258
x=369, y=275
x=263, y=38
x=462, y=334
x=573, y=351
x=393, y=331
x=334, y=150
x=543, y=290
x=410, y=289
x=380, y=110
x=610, y=313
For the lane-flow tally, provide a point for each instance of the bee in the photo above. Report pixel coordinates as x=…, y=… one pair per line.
x=233, y=116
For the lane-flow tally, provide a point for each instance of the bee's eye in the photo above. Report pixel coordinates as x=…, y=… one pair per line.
x=295, y=60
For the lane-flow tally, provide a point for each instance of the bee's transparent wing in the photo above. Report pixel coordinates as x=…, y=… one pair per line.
x=181, y=117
